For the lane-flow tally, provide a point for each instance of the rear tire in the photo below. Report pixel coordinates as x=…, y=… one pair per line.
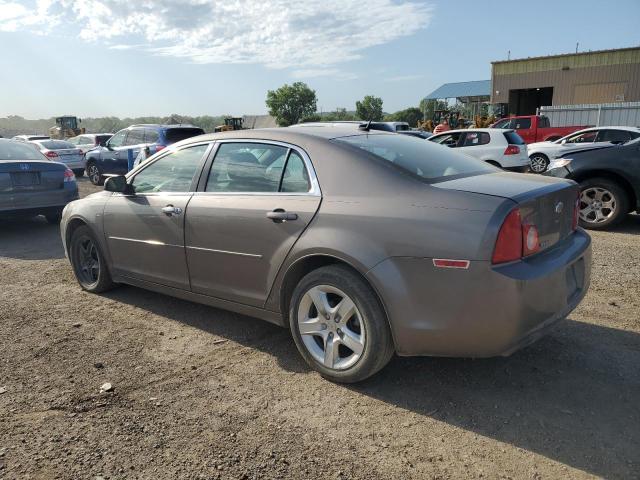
x=95, y=174
x=351, y=340
x=539, y=163
x=603, y=203
x=88, y=262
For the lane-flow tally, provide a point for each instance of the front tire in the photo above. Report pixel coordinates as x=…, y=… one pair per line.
x=603, y=203
x=339, y=326
x=88, y=262
x=539, y=163
x=95, y=174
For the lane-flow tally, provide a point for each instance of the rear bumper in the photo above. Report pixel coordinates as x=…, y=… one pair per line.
x=484, y=311
x=35, y=203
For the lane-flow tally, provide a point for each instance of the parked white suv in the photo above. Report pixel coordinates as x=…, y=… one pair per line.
x=503, y=148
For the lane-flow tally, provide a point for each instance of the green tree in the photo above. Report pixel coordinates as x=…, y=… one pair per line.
x=291, y=103
x=370, y=108
x=410, y=115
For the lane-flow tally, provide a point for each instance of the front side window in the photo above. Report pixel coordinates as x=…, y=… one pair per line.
x=172, y=173
x=585, y=137
x=247, y=167
x=448, y=139
x=416, y=157
x=118, y=139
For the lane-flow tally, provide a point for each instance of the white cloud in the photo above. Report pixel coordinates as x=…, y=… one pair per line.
x=305, y=35
x=40, y=16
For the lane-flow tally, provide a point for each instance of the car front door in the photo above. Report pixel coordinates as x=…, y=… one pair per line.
x=254, y=204
x=145, y=230
x=109, y=154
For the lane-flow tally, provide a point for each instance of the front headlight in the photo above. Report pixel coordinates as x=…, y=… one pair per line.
x=559, y=163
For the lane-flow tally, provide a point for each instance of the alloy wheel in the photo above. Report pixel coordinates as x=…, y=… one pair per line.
x=597, y=205
x=94, y=174
x=331, y=327
x=87, y=261
x=538, y=164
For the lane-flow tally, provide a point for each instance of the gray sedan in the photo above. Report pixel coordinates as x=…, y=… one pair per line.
x=362, y=243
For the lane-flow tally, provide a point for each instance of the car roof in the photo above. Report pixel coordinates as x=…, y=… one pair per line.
x=488, y=130
x=158, y=125
x=609, y=127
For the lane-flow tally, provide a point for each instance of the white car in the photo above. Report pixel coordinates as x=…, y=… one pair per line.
x=541, y=153
x=503, y=148
x=63, y=152
x=89, y=141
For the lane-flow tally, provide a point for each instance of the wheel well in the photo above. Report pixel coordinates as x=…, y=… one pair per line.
x=539, y=155
x=72, y=226
x=303, y=267
x=614, y=177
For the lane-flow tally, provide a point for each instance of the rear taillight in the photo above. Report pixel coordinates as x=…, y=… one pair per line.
x=515, y=239
x=51, y=154
x=512, y=150
x=576, y=213
x=509, y=242
x=69, y=176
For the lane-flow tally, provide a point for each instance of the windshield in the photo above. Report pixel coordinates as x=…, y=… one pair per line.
x=425, y=160
x=10, y=150
x=56, y=144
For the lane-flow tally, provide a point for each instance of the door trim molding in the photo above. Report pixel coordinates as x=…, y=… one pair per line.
x=242, y=254
x=156, y=243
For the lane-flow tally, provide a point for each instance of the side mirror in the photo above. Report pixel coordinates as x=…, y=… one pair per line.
x=118, y=184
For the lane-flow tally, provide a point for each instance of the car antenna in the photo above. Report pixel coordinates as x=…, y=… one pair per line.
x=366, y=127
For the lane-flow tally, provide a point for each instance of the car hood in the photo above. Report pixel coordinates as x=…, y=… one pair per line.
x=514, y=186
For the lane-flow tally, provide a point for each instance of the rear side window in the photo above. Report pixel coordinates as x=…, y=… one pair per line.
x=295, y=177
x=135, y=137
x=521, y=123
x=616, y=136
x=174, y=135
x=513, y=138
x=11, y=150
x=101, y=139
x=473, y=139
x=415, y=156
x=151, y=135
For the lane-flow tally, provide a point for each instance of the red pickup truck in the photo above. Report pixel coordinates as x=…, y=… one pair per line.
x=535, y=128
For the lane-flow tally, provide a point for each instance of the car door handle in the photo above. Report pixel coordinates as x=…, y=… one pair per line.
x=279, y=215
x=171, y=210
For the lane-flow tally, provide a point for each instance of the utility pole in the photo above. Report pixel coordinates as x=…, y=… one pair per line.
x=577, y=44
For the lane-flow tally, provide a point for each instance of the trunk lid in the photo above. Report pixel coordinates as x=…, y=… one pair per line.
x=30, y=175
x=548, y=205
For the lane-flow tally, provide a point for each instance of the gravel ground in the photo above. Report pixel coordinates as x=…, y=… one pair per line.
x=204, y=393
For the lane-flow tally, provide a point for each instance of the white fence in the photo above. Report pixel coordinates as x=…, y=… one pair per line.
x=599, y=115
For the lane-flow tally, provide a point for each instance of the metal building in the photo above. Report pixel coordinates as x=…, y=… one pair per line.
x=471, y=95
x=603, y=76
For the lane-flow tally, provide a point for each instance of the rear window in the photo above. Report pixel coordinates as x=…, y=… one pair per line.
x=513, y=138
x=102, y=139
x=176, y=134
x=415, y=156
x=19, y=151
x=521, y=123
x=56, y=144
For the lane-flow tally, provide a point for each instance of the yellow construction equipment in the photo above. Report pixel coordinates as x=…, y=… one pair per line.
x=230, y=123
x=66, y=127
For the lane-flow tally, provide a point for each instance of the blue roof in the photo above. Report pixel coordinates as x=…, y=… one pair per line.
x=477, y=88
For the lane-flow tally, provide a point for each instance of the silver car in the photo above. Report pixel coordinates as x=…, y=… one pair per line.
x=362, y=243
x=31, y=184
x=63, y=152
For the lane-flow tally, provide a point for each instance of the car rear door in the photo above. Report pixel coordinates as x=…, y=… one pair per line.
x=248, y=212
x=145, y=230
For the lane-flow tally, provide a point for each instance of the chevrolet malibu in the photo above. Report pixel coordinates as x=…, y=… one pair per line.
x=362, y=243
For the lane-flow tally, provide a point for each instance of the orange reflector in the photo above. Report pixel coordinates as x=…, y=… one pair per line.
x=448, y=263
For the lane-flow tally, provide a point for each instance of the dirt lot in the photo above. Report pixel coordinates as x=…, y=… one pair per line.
x=203, y=393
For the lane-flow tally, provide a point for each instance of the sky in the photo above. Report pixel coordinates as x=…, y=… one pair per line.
x=130, y=58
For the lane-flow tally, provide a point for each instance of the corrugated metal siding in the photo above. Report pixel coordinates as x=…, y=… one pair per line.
x=578, y=60
x=608, y=114
x=565, y=83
